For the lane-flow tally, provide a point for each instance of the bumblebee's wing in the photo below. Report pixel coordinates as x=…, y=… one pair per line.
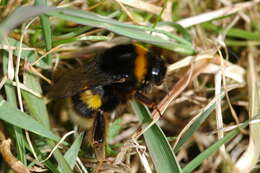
x=76, y=81
x=70, y=83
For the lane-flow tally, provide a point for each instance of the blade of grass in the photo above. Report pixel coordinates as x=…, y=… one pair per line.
x=73, y=39
x=195, y=125
x=132, y=31
x=70, y=32
x=142, y=33
x=249, y=159
x=52, y=167
x=35, y=105
x=9, y=90
x=14, y=116
x=233, y=32
x=244, y=43
x=72, y=153
x=19, y=15
x=210, y=150
x=114, y=129
x=161, y=153
x=46, y=27
x=63, y=164
x=179, y=28
x=11, y=98
x=254, y=102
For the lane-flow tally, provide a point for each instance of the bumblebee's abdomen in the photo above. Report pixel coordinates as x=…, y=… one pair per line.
x=87, y=102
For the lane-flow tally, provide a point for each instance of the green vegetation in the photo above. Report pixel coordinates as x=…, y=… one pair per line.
x=209, y=104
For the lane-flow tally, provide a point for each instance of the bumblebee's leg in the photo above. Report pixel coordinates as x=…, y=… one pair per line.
x=99, y=137
x=143, y=99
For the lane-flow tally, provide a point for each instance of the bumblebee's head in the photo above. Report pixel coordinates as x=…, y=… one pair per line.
x=156, y=69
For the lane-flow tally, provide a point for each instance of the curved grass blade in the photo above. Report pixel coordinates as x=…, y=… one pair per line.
x=161, y=153
x=20, y=15
x=63, y=164
x=196, y=124
x=213, y=148
x=179, y=28
x=72, y=153
x=14, y=116
x=142, y=33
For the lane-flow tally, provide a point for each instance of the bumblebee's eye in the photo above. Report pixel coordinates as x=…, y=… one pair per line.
x=157, y=72
x=157, y=75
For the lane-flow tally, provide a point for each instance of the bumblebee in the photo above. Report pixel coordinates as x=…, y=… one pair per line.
x=112, y=78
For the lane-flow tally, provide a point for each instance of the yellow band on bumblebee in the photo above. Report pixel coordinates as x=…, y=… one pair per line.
x=141, y=62
x=93, y=101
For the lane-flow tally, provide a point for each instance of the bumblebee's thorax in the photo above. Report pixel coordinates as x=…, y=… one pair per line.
x=129, y=61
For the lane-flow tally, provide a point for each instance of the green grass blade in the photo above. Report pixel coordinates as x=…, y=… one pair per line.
x=34, y=104
x=73, y=39
x=9, y=90
x=233, y=32
x=70, y=32
x=46, y=27
x=11, y=98
x=52, y=167
x=38, y=110
x=72, y=153
x=114, y=129
x=194, y=127
x=160, y=150
x=141, y=33
x=20, y=15
x=196, y=124
x=63, y=164
x=213, y=148
x=133, y=31
x=14, y=116
x=243, y=43
x=179, y=28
